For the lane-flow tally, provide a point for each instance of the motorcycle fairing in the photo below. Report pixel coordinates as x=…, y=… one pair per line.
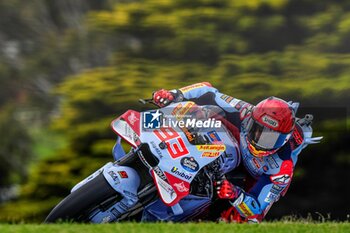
x=177, y=147
x=127, y=126
x=170, y=188
x=166, y=191
x=171, y=157
x=125, y=181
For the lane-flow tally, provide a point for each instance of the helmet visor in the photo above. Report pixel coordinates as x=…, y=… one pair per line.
x=264, y=138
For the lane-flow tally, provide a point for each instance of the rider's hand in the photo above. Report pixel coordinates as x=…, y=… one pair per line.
x=163, y=97
x=226, y=190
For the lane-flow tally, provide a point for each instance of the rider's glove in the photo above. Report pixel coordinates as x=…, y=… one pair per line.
x=163, y=97
x=226, y=190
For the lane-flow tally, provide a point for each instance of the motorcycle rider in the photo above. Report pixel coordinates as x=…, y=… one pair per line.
x=270, y=137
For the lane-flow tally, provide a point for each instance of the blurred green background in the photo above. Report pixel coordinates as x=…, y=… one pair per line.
x=69, y=67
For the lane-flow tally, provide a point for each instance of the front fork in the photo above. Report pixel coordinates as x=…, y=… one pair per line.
x=124, y=180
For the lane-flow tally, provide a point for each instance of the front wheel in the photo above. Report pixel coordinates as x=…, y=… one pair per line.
x=76, y=205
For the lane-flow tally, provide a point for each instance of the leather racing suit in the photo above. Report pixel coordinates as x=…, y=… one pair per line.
x=272, y=174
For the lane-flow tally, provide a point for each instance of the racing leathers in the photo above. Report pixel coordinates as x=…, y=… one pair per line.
x=272, y=174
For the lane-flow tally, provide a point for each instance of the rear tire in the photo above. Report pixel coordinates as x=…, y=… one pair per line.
x=85, y=198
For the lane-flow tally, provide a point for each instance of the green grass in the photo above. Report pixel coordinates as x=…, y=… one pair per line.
x=283, y=227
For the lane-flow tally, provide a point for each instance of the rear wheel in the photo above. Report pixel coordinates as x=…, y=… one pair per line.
x=76, y=205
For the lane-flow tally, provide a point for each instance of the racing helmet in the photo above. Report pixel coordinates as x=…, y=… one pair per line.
x=270, y=126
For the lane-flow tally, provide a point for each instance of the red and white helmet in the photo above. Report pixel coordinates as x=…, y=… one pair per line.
x=270, y=126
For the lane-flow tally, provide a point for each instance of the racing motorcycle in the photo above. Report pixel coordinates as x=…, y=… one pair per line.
x=177, y=152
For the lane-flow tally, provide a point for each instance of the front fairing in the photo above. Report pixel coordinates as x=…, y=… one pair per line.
x=182, y=150
x=180, y=157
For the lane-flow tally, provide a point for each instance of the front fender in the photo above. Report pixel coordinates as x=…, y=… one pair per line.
x=124, y=180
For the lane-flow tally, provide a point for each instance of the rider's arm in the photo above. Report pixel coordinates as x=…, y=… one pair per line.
x=205, y=94
x=196, y=90
x=255, y=203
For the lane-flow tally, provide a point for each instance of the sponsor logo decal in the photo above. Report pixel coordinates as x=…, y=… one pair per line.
x=278, y=188
x=256, y=163
x=189, y=136
x=114, y=177
x=191, y=87
x=107, y=219
x=234, y=102
x=239, y=200
x=269, y=121
x=123, y=174
x=180, y=111
x=166, y=187
x=211, y=151
x=229, y=99
x=152, y=119
x=270, y=197
x=176, y=109
x=215, y=148
x=181, y=187
x=239, y=105
x=226, y=98
x=280, y=179
x=245, y=209
x=189, y=164
x=210, y=154
x=132, y=118
x=181, y=174
x=246, y=111
x=159, y=173
x=130, y=194
x=214, y=137
x=154, y=146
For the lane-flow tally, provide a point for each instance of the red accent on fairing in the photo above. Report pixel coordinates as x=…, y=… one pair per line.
x=166, y=134
x=133, y=123
x=177, y=149
x=173, y=182
x=157, y=186
x=175, y=144
x=133, y=119
x=277, y=110
x=181, y=187
x=286, y=170
x=123, y=174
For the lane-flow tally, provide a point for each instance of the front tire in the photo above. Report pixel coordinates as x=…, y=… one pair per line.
x=77, y=203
